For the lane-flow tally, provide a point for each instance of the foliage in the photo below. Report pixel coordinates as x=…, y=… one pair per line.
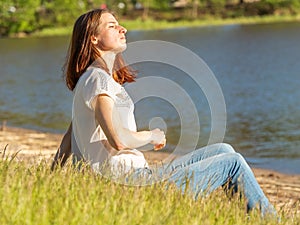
x=29, y=16
x=18, y=16
x=216, y=6
x=32, y=194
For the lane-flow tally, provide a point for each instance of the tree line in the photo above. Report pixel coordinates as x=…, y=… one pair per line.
x=31, y=15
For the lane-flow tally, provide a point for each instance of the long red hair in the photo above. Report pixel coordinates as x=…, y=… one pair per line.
x=82, y=53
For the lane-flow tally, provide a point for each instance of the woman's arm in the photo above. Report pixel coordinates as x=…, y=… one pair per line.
x=64, y=150
x=119, y=137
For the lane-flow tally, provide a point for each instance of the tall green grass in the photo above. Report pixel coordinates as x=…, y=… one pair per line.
x=32, y=194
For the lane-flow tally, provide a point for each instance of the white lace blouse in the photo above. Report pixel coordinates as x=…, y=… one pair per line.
x=88, y=138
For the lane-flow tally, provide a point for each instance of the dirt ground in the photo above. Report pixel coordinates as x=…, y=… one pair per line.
x=283, y=190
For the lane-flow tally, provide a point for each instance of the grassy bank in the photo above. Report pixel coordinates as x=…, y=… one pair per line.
x=157, y=25
x=32, y=194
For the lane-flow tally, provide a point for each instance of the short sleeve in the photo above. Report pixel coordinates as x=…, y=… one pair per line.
x=98, y=83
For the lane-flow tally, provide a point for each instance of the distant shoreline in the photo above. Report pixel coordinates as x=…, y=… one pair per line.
x=139, y=25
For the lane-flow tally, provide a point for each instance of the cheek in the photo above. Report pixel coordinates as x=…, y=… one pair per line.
x=107, y=42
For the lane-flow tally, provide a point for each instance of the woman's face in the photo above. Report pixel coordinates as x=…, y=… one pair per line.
x=111, y=35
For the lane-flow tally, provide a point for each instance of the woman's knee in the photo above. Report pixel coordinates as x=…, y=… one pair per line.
x=237, y=157
x=225, y=148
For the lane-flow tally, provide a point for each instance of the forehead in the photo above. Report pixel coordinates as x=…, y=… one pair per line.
x=107, y=18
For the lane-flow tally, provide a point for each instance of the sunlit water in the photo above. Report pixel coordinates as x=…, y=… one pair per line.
x=257, y=67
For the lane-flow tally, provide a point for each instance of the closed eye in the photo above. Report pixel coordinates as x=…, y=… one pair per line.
x=112, y=25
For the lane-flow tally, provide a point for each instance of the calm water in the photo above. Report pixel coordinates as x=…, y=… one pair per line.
x=257, y=67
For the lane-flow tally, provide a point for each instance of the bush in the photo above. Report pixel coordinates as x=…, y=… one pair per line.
x=18, y=16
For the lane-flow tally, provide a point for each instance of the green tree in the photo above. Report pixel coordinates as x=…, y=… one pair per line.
x=18, y=16
x=216, y=6
x=160, y=4
x=64, y=12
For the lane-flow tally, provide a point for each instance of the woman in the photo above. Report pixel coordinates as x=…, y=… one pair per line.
x=103, y=130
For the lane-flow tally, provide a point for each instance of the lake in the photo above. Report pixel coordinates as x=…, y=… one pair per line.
x=256, y=66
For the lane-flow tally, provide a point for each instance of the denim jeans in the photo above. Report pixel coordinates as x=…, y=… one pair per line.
x=213, y=166
x=207, y=169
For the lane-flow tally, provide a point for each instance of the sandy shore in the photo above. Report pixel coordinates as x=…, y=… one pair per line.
x=283, y=190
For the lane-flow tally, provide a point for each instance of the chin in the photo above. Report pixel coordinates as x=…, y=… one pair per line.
x=121, y=48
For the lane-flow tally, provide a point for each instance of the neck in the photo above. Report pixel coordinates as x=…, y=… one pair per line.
x=109, y=59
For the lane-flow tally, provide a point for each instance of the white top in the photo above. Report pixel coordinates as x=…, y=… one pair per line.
x=88, y=139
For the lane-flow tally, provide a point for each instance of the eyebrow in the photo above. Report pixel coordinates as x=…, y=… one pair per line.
x=112, y=22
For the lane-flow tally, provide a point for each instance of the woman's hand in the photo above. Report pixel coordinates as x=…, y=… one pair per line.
x=121, y=138
x=158, y=139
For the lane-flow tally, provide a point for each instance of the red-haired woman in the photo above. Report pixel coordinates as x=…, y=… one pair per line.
x=103, y=130
x=103, y=125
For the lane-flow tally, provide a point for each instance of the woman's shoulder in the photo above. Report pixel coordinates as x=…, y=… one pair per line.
x=96, y=76
x=93, y=72
x=96, y=71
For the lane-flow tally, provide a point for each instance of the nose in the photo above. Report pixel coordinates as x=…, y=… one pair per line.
x=122, y=29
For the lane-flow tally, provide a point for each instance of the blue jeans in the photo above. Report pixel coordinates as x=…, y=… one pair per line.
x=207, y=169
x=214, y=166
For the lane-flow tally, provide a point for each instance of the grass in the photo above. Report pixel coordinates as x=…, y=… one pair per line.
x=32, y=194
x=149, y=24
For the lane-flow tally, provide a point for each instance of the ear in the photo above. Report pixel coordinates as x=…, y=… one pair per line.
x=94, y=40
